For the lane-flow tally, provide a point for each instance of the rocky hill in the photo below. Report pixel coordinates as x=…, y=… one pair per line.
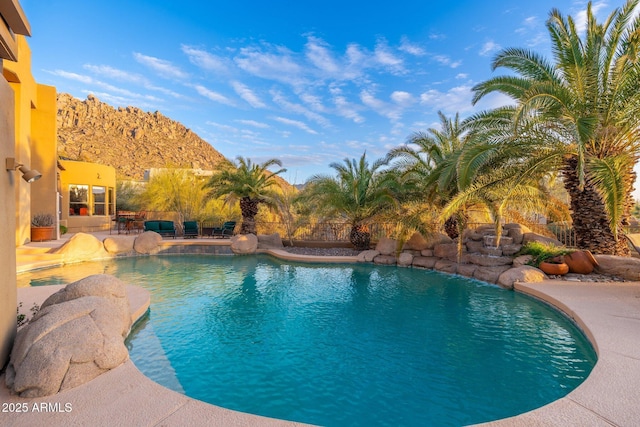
x=128, y=139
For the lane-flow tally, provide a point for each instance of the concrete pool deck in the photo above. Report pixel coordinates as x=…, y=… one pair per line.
x=608, y=313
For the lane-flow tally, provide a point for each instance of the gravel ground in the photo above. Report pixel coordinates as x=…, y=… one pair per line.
x=322, y=251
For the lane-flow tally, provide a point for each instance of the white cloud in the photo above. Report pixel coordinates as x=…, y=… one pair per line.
x=73, y=76
x=346, y=109
x=291, y=107
x=402, y=98
x=127, y=77
x=581, y=17
x=392, y=112
x=411, y=48
x=253, y=123
x=318, y=53
x=456, y=99
x=247, y=94
x=385, y=57
x=163, y=68
x=213, y=96
x=296, y=123
x=206, y=60
x=489, y=47
x=278, y=65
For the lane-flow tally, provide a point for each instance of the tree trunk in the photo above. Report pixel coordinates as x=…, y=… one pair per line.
x=360, y=237
x=249, y=210
x=589, y=217
x=451, y=227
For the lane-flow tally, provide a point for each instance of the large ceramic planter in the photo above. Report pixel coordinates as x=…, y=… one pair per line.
x=554, y=269
x=580, y=262
x=42, y=234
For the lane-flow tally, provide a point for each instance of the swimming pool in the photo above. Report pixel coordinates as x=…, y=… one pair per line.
x=344, y=344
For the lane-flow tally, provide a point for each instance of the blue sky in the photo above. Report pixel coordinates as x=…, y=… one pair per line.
x=309, y=83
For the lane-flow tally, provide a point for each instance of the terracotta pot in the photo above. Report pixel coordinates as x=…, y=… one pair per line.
x=42, y=234
x=554, y=269
x=580, y=262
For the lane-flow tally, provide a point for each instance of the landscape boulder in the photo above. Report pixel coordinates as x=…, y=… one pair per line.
x=242, y=244
x=368, y=255
x=424, y=261
x=270, y=241
x=120, y=244
x=385, y=260
x=386, y=246
x=625, y=267
x=523, y=274
x=405, y=259
x=436, y=239
x=415, y=243
x=147, y=243
x=81, y=247
x=77, y=334
x=489, y=274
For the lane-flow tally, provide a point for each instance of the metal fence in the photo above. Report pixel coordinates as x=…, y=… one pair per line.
x=339, y=232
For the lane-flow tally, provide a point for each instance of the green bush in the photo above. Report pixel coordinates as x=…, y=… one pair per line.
x=63, y=229
x=542, y=252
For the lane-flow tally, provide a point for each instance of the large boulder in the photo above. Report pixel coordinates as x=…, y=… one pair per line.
x=522, y=260
x=415, y=243
x=119, y=244
x=77, y=334
x=405, y=259
x=385, y=260
x=270, y=241
x=147, y=243
x=523, y=274
x=386, y=246
x=624, y=267
x=467, y=270
x=489, y=274
x=516, y=232
x=82, y=247
x=436, y=239
x=424, y=261
x=447, y=251
x=446, y=266
x=242, y=244
x=368, y=255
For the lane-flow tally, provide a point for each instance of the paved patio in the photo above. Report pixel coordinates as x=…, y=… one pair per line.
x=608, y=313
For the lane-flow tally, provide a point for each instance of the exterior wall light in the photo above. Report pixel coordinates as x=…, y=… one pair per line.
x=27, y=175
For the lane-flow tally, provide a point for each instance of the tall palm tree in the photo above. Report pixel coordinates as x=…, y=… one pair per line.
x=428, y=166
x=247, y=182
x=587, y=99
x=359, y=193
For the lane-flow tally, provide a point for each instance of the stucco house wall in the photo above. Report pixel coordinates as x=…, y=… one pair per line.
x=91, y=214
x=12, y=22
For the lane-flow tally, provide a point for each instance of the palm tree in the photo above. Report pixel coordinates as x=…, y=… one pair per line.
x=358, y=194
x=587, y=99
x=249, y=183
x=427, y=165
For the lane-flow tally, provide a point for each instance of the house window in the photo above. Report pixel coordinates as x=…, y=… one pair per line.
x=78, y=199
x=99, y=202
x=111, y=201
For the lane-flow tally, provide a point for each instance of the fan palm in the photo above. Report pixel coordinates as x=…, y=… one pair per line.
x=587, y=99
x=358, y=194
x=249, y=183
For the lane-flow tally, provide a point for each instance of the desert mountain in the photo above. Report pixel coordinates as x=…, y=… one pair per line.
x=128, y=139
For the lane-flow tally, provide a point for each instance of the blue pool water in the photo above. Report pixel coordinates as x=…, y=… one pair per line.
x=339, y=345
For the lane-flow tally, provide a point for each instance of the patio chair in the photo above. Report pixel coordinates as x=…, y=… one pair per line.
x=226, y=231
x=190, y=229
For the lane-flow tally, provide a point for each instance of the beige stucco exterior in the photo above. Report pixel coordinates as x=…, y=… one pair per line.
x=11, y=186
x=92, y=215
